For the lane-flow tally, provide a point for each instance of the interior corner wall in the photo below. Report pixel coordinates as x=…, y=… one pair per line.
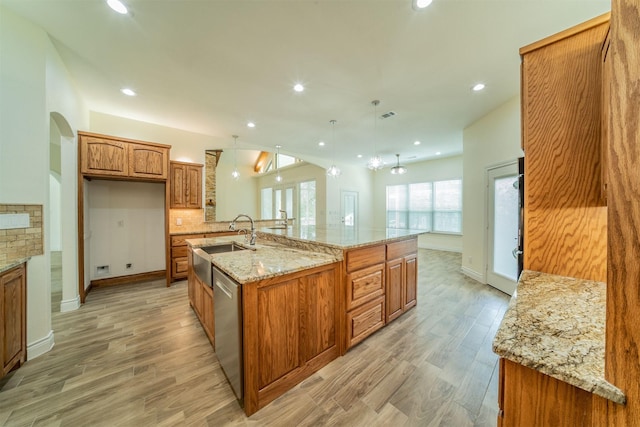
x=426, y=171
x=490, y=141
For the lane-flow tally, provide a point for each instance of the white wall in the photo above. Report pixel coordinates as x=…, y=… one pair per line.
x=236, y=197
x=357, y=179
x=492, y=140
x=30, y=80
x=427, y=171
x=127, y=219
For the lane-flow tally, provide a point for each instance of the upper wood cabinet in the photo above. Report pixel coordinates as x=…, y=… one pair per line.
x=186, y=185
x=13, y=321
x=103, y=156
x=565, y=216
x=606, y=116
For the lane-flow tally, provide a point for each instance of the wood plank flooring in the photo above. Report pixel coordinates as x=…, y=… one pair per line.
x=135, y=355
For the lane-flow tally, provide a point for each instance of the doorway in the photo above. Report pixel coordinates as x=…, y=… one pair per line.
x=502, y=227
x=349, y=208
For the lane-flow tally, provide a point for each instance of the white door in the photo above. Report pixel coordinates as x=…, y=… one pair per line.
x=349, y=208
x=503, y=215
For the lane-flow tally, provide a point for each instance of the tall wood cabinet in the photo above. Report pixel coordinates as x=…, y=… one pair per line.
x=401, y=277
x=13, y=309
x=186, y=185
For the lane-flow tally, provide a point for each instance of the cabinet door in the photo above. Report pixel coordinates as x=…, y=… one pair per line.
x=410, y=281
x=198, y=297
x=191, y=280
x=395, y=288
x=103, y=156
x=207, y=312
x=318, y=314
x=178, y=183
x=13, y=345
x=148, y=161
x=193, y=197
x=278, y=331
x=605, y=116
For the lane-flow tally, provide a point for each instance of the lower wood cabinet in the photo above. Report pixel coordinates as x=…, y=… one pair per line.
x=201, y=300
x=179, y=250
x=365, y=320
x=290, y=331
x=13, y=330
x=401, y=277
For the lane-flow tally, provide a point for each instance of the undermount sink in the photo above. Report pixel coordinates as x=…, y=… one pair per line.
x=278, y=227
x=223, y=247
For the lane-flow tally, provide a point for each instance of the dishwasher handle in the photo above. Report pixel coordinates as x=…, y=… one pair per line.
x=223, y=288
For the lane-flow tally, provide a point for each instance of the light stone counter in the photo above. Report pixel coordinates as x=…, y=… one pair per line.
x=9, y=264
x=556, y=325
x=263, y=260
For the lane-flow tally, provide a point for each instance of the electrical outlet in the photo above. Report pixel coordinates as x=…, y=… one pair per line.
x=102, y=270
x=470, y=259
x=178, y=221
x=129, y=265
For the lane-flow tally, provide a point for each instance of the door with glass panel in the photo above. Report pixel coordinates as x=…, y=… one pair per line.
x=502, y=227
x=349, y=208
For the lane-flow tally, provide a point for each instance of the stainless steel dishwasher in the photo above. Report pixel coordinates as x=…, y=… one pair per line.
x=227, y=304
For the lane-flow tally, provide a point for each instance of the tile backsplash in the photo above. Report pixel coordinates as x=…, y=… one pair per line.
x=17, y=243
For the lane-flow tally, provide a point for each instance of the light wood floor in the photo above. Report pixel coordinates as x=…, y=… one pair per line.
x=135, y=355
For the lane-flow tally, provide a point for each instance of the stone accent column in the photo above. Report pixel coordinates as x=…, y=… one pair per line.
x=211, y=162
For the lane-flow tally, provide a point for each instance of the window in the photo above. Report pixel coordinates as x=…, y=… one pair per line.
x=307, y=203
x=431, y=206
x=273, y=200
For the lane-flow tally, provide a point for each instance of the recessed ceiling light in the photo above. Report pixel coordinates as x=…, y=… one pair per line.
x=321, y=143
x=298, y=87
x=118, y=6
x=128, y=91
x=251, y=124
x=416, y=143
x=421, y=4
x=478, y=87
x=438, y=153
x=359, y=156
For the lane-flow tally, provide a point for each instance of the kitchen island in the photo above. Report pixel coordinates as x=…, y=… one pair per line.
x=308, y=295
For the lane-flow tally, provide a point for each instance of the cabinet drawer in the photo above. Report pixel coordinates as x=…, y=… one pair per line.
x=365, y=320
x=179, y=251
x=399, y=249
x=364, y=285
x=181, y=239
x=179, y=267
x=360, y=258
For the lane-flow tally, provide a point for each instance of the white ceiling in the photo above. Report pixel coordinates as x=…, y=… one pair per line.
x=209, y=66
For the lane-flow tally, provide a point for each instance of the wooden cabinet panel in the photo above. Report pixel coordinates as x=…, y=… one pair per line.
x=148, y=161
x=186, y=185
x=278, y=331
x=104, y=157
x=318, y=314
x=565, y=218
x=410, y=281
x=191, y=281
x=364, y=257
x=533, y=399
x=364, y=285
x=207, y=313
x=13, y=345
x=397, y=250
x=365, y=320
x=394, y=291
x=179, y=267
x=605, y=116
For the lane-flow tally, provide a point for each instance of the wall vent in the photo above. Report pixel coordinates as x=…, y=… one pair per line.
x=388, y=114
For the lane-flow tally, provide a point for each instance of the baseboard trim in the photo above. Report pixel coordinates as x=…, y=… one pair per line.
x=70, y=304
x=473, y=274
x=41, y=346
x=132, y=278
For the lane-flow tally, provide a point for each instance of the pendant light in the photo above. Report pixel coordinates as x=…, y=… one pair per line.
x=397, y=169
x=333, y=170
x=375, y=163
x=235, y=174
x=278, y=176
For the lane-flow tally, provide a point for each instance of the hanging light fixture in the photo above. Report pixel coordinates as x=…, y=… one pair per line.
x=375, y=163
x=235, y=174
x=333, y=170
x=278, y=176
x=397, y=169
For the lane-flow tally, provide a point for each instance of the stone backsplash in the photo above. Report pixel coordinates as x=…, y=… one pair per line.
x=17, y=243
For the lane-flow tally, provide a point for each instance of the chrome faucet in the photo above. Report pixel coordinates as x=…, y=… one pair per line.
x=254, y=236
x=285, y=219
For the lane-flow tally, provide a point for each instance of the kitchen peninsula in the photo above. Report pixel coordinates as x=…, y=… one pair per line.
x=308, y=295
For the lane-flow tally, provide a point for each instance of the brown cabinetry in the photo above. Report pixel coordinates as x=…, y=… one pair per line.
x=103, y=156
x=401, y=275
x=604, y=122
x=201, y=300
x=365, y=285
x=290, y=331
x=179, y=250
x=186, y=185
x=13, y=297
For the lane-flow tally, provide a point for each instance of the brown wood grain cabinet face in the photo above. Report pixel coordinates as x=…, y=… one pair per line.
x=290, y=331
x=104, y=156
x=186, y=185
x=401, y=277
x=179, y=249
x=201, y=300
x=13, y=309
x=565, y=216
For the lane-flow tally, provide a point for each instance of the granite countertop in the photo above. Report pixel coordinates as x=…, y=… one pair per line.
x=263, y=260
x=556, y=325
x=9, y=264
x=340, y=237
